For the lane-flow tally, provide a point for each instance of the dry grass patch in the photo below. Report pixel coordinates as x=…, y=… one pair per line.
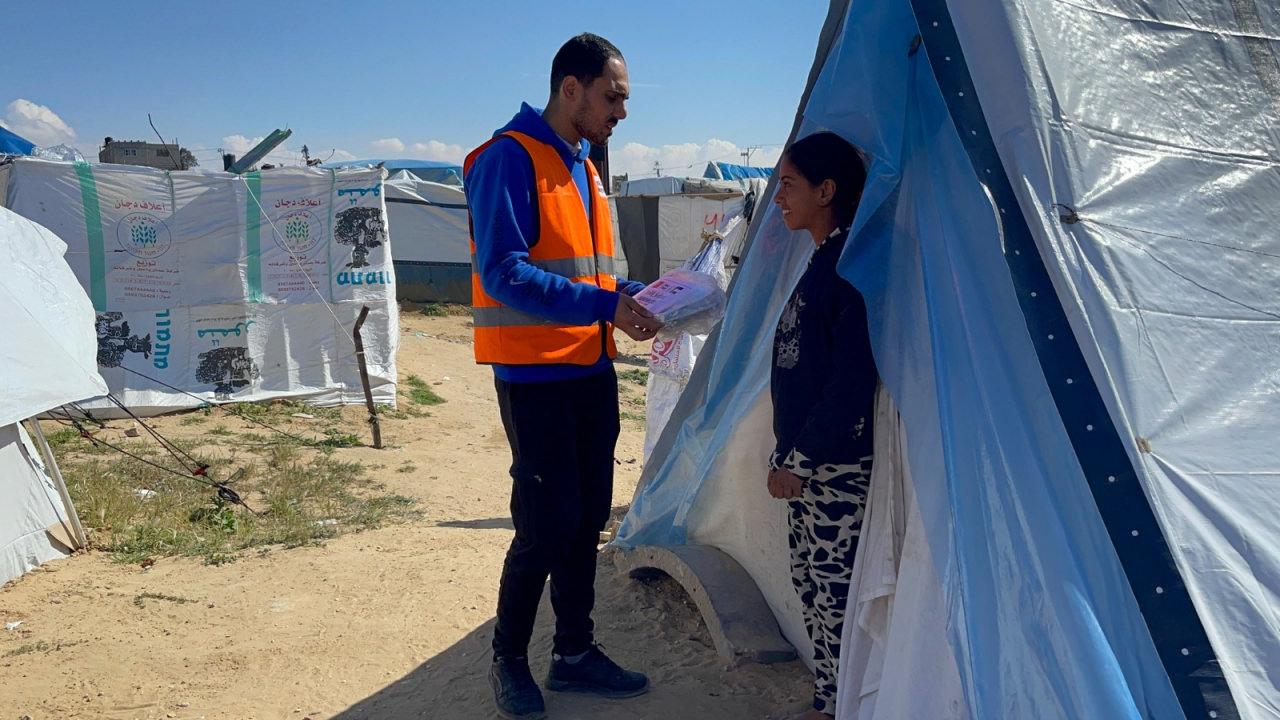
x=300, y=489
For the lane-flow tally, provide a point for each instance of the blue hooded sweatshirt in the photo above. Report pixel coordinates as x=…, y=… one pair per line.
x=501, y=197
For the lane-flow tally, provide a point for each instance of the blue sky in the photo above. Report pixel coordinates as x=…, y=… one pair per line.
x=399, y=78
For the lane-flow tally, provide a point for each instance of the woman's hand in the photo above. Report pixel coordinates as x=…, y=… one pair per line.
x=784, y=484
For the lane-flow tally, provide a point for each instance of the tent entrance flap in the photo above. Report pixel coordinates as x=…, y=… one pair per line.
x=1075, y=352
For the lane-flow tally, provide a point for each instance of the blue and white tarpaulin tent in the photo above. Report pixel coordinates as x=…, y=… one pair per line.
x=729, y=171
x=436, y=171
x=14, y=144
x=1069, y=255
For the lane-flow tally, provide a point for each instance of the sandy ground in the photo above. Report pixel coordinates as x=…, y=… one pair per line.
x=392, y=624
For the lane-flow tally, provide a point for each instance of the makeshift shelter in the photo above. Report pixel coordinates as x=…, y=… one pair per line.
x=48, y=360
x=652, y=186
x=668, y=185
x=428, y=222
x=659, y=232
x=13, y=144
x=445, y=173
x=729, y=171
x=1068, y=254
x=214, y=287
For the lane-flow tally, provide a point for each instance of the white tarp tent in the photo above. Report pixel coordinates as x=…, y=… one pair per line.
x=211, y=287
x=1067, y=249
x=669, y=185
x=666, y=185
x=428, y=222
x=48, y=360
x=659, y=232
x=685, y=222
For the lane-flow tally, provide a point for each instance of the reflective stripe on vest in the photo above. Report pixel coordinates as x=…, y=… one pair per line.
x=570, y=243
x=503, y=316
x=571, y=267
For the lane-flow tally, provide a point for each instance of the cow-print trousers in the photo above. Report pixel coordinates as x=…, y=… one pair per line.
x=826, y=521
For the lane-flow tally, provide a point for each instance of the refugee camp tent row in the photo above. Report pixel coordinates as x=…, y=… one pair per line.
x=1068, y=252
x=668, y=185
x=211, y=287
x=657, y=233
x=663, y=221
x=49, y=359
x=437, y=171
x=656, y=219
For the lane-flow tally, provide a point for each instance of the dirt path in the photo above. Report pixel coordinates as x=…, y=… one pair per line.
x=392, y=623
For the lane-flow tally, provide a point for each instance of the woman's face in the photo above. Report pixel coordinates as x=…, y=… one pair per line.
x=801, y=202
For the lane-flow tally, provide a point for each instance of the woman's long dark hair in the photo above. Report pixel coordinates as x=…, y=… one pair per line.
x=827, y=156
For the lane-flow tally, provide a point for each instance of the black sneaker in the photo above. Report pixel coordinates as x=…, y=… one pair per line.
x=596, y=674
x=514, y=691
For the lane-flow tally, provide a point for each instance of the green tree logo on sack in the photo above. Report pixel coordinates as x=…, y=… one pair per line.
x=300, y=231
x=143, y=236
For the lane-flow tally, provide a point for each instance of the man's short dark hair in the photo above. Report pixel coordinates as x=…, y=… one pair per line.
x=583, y=57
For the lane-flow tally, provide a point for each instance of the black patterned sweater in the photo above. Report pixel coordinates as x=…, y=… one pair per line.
x=824, y=377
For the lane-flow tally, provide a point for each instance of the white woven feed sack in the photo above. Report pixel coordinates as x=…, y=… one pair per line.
x=225, y=287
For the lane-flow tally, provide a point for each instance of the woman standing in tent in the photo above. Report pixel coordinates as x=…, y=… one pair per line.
x=823, y=384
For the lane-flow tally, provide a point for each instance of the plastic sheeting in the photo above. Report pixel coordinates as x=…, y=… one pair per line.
x=652, y=186
x=673, y=355
x=1171, y=161
x=729, y=171
x=635, y=232
x=427, y=220
x=1163, y=140
x=432, y=237
x=1028, y=576
x=224, y=287
x=658, y=233
x=895, y=614
x=685, y=222
x=48, y=355
x=437, y=171
x=13, y=144
x=48, y=360
x=31, y=511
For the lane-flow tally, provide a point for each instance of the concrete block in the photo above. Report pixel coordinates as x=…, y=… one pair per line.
x=742, y=625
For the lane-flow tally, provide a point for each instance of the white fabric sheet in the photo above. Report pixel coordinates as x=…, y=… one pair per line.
x=48, y=353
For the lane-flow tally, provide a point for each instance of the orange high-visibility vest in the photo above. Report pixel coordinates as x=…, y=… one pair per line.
x=569, y=243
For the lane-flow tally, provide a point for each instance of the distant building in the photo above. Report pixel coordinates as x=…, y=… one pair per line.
x=136, y=152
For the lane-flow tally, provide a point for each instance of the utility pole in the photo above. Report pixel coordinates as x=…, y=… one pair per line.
x=657, y=169
x=746, y=155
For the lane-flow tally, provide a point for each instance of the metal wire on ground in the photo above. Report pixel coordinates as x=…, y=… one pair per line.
x=200, y=475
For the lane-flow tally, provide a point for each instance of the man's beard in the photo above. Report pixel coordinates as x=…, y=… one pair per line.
x=594, y=136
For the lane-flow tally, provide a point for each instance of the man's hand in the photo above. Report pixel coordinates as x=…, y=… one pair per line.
x=784, y=484
x=633, y=319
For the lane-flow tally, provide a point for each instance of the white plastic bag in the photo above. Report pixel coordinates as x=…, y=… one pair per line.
x=684, y=300
x=676, y=347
